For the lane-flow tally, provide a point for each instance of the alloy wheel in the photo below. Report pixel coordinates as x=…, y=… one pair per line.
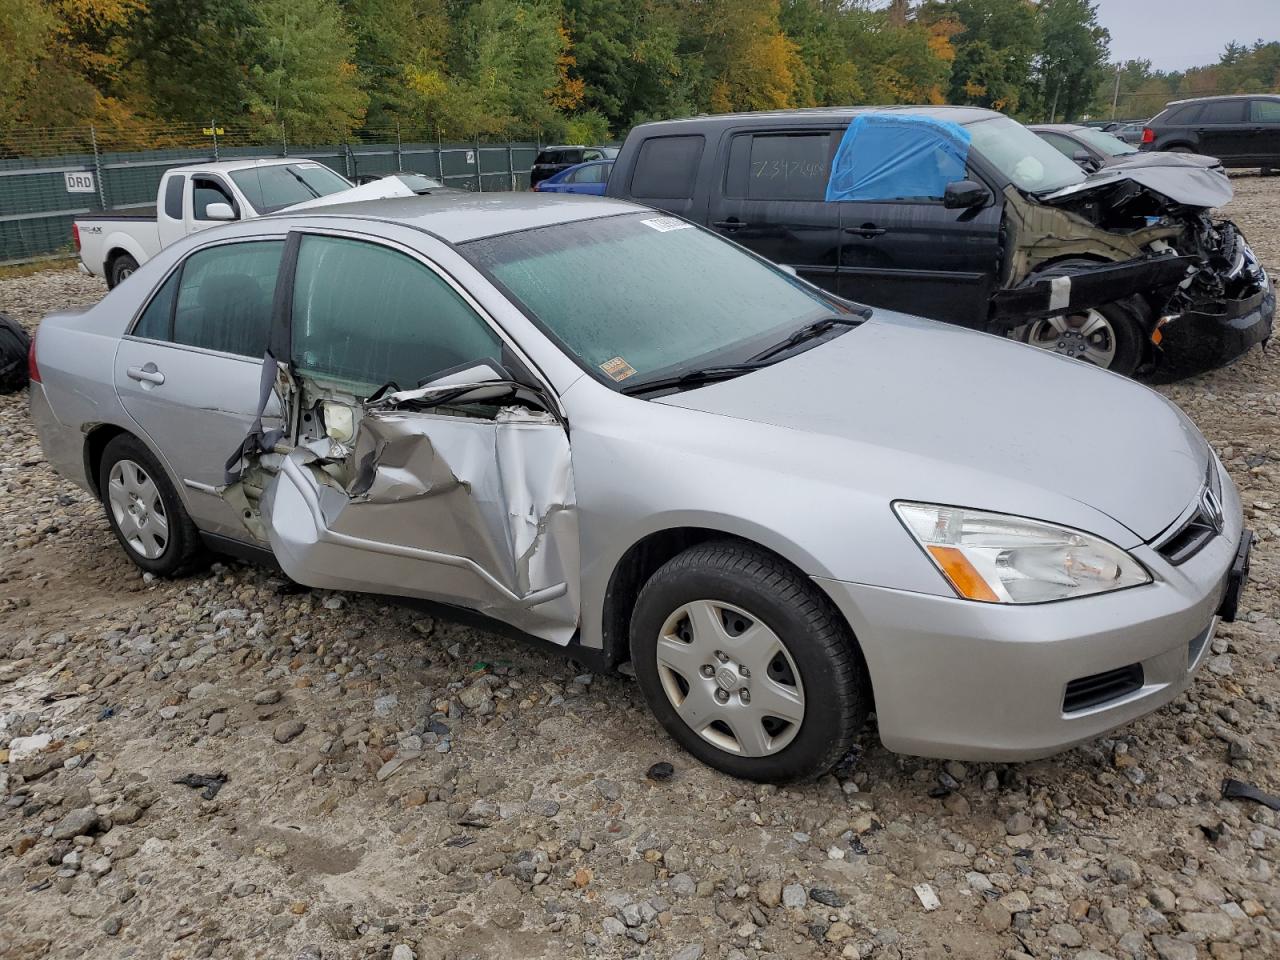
x=730, y=678
x=138, y=510
x=1086, y=336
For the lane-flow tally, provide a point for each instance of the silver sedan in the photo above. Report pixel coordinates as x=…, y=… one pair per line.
x=613, y=431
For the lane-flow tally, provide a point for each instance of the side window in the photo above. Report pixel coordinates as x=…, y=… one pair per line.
x=666, y=167
x=225, y=295
x=1223, y=111
x=173, y=197
x=1264, y=111
x=591, y=155
x=156, y=322
x=1188, y=114
x=205, y=191
x=591, y=174
x=779, y=166
x=1064, y=145
x=367, y=315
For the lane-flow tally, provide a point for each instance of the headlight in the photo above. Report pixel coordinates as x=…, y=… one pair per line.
x=1001, y=559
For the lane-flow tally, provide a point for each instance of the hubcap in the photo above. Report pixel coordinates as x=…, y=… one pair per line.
x=730, y=678
x=1086, y=336
x=137, y=509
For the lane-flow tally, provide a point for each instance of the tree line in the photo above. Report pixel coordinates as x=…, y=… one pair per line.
x=577, y=70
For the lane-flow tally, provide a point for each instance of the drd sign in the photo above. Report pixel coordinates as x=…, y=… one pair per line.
x=79, y=182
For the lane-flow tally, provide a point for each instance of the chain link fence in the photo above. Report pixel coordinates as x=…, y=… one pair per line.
x=48, y=177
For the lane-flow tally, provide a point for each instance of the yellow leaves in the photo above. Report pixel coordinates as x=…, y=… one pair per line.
x=568, y=91
x=974, y=89
x=96, y=14
x=428, y=83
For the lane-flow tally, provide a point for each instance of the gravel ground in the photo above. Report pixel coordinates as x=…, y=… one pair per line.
x=400, y=787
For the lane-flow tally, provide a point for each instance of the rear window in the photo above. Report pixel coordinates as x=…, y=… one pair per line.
x=1183, y=114
x=559, y=156
x=173, y=197
x=666, y=167
x=779, y=166
x=1223, y=111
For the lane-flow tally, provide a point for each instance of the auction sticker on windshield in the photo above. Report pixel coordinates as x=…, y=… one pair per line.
x=665, y=224
x=618, y=369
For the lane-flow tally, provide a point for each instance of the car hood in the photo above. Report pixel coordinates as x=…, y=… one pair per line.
x=1163, y=159
x=1002, y=412
x=1186, y=184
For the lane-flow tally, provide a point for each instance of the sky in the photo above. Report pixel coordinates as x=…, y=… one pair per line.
x=1176, y=34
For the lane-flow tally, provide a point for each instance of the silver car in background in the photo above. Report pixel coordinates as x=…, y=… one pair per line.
x=611, y=430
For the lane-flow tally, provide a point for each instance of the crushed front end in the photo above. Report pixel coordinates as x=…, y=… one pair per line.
x=1148, y=235
x=1226, y=305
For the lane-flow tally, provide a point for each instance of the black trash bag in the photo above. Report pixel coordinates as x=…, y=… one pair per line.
x=14, y=344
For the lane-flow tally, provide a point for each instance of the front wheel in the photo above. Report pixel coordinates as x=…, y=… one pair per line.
x=747, y=665
x=1109, y=336
x=121, y=269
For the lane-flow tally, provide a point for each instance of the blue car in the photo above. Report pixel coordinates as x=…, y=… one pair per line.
x=590, y=177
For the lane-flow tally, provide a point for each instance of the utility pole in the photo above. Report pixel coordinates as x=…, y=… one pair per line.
x=1115, y=97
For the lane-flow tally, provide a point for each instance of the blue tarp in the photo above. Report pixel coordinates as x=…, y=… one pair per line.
x=891, y=156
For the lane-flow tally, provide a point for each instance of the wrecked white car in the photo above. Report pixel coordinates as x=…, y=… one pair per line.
x=610, y=430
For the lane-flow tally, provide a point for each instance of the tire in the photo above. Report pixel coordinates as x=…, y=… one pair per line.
x=751, y=603
x=1120, y=346
x=15, y=344
x=157, y=534
x=121, y=267
x=1180, y=149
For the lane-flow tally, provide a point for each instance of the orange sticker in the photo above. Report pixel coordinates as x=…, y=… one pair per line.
x=618, y=369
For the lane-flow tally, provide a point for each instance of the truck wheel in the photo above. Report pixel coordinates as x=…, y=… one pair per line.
x=144, y=510
x=747, y=664
x=121, y=267
x=1109, y=336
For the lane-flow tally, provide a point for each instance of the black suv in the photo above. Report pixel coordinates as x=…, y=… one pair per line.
x=551, y=160
x=1241, y=131
x=964, y=215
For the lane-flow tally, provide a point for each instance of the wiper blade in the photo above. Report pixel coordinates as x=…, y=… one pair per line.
x=807, y=332
x=297, y=176
x=694, y=378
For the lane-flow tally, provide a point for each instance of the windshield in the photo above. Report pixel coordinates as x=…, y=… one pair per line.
x=641, y=296
x=279, y=185
x=419, y=181
x=1031, y=163
x=1105, y=142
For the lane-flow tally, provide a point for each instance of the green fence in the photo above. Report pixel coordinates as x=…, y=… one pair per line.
x=49, y=177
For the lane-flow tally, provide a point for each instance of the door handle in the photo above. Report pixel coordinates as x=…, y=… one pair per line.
x=147, y=374
x=729, y=224
x=866, y=230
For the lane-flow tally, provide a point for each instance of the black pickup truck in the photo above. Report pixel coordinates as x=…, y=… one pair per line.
x=964, y=215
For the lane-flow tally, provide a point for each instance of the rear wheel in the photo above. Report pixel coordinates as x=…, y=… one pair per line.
x=144, y=511
x=747, y=664
x=1109, y=336
x=121, y=267
x=1180, y=149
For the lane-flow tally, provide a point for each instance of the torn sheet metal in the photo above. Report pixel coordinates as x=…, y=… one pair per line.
x=1087, y=287
x=465, y=510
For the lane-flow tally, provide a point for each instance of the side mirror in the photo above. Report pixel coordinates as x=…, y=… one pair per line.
x=964, y=195
x=219, y=211
x=1084, y=160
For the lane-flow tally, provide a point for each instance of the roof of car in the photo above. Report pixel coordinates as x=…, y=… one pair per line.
x=458, y=218
x=1226, y=96
x=227, y=166
x=954, y=114
x=1057, y=127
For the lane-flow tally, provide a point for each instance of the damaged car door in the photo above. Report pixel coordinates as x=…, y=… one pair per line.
x=417, y=466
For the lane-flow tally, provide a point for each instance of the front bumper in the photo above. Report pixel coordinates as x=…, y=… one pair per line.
x=1199, y=341
x=975, y=681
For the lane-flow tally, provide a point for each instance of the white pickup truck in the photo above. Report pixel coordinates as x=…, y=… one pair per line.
x=197, y=197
